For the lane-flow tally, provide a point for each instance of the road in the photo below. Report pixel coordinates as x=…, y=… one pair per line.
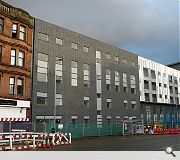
x=120, y=143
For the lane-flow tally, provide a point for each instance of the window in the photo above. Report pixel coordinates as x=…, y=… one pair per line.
x=117, y=81
x=160, y=85
x=20, y=87
x=85, y=49
x=98, y=55
x=165, y=96
x=116, y=58
x=133, y=104
x=41, y=98
x=146, y=84
x=59, y=41
x=153, y=75
x=147, y=98
x=86, y=75
x=21, y=59
x=125, y=104
x=133, y=84
x=153, y=84
x=165, y=85
x=108, y=79
x=154, y=97
x=14, y=30
x=124, y=61
x=1, y=25
x=13, y=57
x=0, y=53
x=22, y=34
x=160, y=95
x=43, y=37
x=107, y=55
x=175, y=80
x=58, y=99
x=171, y=89
x=11, y=86
x=172, y=100
x=125, y=83
x=132, y=63
x=176, y=90
x=145, y=71
x=42, y=67
x=74, y=45
x=73, y=73
x=170, y=79
x=98, y=95
x=86, y=101
x=59, y=70
x=108, y=103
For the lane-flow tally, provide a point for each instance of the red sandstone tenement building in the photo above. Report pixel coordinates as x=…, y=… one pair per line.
x=15, y=62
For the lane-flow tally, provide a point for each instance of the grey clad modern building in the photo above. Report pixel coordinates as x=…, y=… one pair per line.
x=77, y=79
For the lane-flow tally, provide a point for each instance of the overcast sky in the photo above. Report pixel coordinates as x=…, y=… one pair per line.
x=149, y=28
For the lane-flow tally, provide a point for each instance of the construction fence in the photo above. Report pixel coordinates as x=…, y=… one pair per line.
x=76, y=130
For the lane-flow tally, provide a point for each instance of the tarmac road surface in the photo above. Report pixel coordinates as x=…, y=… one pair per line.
x=121, y=143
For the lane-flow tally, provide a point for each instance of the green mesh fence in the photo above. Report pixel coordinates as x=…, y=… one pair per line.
x=81, y=130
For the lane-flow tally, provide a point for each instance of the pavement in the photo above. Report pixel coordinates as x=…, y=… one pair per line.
x=121, y=143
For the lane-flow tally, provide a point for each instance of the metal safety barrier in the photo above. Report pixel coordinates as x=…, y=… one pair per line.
x=165, y=131
x=18, y=140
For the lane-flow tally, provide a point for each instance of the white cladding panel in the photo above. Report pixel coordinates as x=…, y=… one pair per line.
x=9, y=112
x=162, y=72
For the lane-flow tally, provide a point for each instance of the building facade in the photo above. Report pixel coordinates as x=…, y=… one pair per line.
x=77, y=79
x=175, y=65
x=159, y=93
x=15, y=63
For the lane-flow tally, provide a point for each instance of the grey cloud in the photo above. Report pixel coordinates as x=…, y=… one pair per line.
x=146, y=27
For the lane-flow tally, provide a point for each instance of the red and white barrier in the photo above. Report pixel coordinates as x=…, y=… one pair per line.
x=47, y=140
x=14, y=119
x=167, y=131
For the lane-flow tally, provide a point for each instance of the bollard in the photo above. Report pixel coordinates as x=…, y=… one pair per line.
x=53, y=139
x=10, y=141
x=70, y=138
x=34, y=141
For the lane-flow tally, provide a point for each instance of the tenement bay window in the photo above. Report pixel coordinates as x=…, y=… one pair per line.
x=14, y=30
x=22, y=34
x=20, y=87
x=21, y=59
x=1, y=25
x=11, y=85
x=13, y=57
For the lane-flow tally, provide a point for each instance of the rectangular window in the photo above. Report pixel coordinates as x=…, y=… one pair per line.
x=117, y=81
x=176, y=90
x=133, y=104
x=116, y=58
x=59, y=70
x=59, y=41
x=98, y=55
x=1, y=25
x=0, y=53
x=170, y=79
x=171, y=89
x=153, y=85
x=108, y=79
x=42, y=67
x=20, y=87
x=85, y=49
x=58, y=99
x=125, y=104
x=124, y=61
x=41, y=98
x=125, y=83
x=107, y=55
x=74, y=45
x=86, y=101
x=132, y=63
x=13, y=57
x=153, y=74
x=147, y=98
x=43, y=37
x=22, y=34
x=86, y=75
x=165, y=85
x=154, y=97
x=14, y=30
x=21, y=59
x=11, y=85
x=172, y=100
x=133, y=84
x=145, y=71
x=160, y=95
x=146, y=84
x=109, y=103
x=73, y=73
x=175, y=80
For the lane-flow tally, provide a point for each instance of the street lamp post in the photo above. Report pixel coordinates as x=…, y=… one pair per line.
x=55, y=95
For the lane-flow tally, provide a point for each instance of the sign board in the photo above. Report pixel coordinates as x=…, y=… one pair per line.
x=60, y=126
